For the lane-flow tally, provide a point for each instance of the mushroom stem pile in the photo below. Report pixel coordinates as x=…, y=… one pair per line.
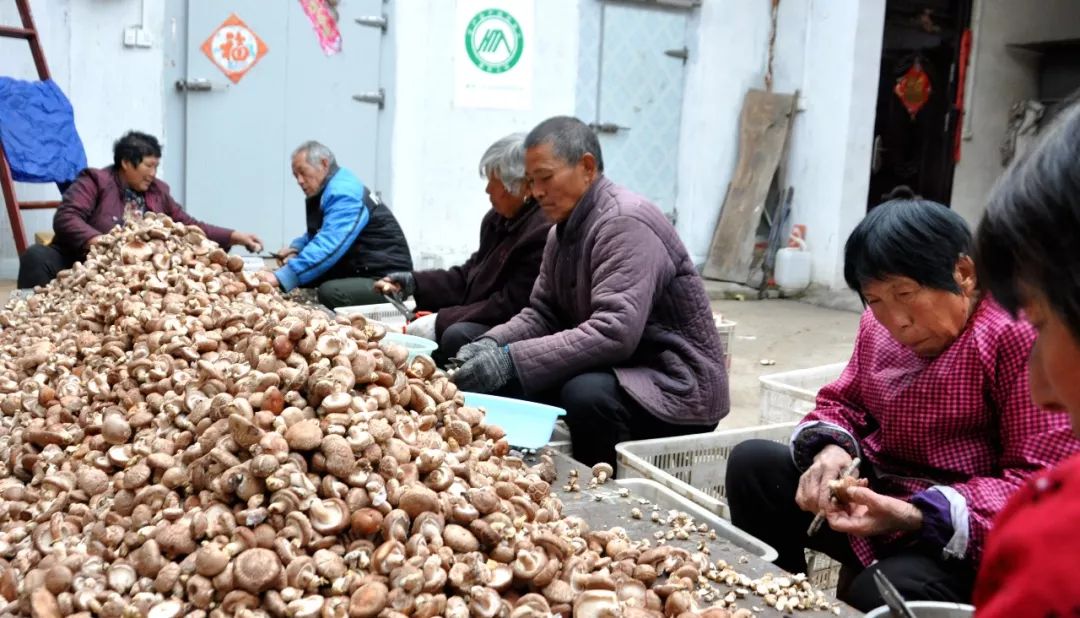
x=177, y=439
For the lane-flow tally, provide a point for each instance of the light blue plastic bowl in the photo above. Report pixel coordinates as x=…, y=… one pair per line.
x=415, y=345
x=527, y=424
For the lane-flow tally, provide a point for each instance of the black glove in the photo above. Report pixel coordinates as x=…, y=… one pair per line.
x=469, y=350
x=486, y=372
x=405, y=281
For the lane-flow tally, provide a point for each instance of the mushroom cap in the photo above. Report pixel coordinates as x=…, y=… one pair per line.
x=305, y=435
x=596, y=604
x=419, y=499
x=255, y=569
x=329, y=516
x=368, y=600
x=175, y=539
x=340, y=460
x=210, y=560
x=604, y=468
x=459, y=539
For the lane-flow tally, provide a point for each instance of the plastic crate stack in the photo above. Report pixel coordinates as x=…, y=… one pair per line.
x=383, y=313
x=726, y=329
x=695, y=466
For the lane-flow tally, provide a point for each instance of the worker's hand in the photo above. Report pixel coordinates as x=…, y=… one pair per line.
x=95, y=240
x=269, y=277
x=486, y=372
x=813, y=494
x=287, y=253
x=864, y=512
x=250, y=242
x=423, y=327
x=469, y=350
x=403, y=282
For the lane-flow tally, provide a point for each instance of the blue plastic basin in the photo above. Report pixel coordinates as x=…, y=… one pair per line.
x=527, y=424
x=415, y=345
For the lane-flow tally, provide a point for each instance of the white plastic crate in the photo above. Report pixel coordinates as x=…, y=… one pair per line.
x=791, y=395
x=695, y=467
x=253, y=263
x=384, y=313
x=726, y=329
x=560, y=439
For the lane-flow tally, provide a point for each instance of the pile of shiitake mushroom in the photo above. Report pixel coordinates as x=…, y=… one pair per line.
x=177, y=439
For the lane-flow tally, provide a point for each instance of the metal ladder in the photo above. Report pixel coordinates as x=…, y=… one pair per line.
x=7, y=185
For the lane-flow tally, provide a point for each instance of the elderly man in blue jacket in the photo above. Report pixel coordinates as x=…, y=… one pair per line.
x=352, y=238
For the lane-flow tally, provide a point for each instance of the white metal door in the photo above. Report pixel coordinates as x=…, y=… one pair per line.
x=639, y=96
x=238, y=136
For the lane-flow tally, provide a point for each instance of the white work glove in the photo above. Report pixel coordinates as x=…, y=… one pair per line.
x=422, y=327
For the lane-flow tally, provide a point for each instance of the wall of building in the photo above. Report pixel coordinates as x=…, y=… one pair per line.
x=829, y=158
x=998, y=77
x=438, y=196
x=826, y=50
x=728, y=43
x=112, y=88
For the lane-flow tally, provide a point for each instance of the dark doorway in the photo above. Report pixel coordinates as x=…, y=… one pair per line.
x=917, y=149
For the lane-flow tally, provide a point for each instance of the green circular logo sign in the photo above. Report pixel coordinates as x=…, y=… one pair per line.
x=494, y=41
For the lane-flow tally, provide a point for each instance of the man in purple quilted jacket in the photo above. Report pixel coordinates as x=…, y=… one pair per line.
x=618, y=330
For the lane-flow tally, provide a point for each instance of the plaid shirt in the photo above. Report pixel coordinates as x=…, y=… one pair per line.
x=959, y=429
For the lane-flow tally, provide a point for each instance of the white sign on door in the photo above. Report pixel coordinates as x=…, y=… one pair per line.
x=493, y=56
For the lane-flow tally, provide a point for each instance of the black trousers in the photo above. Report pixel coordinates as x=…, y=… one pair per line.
x=601, y=414
x=455, y=336
x=40, y=264
x=761, y=483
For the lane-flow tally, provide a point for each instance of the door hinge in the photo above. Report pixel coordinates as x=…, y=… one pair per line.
x=607, y=127
x=378, y=97
x=374, y=21
x=682, y=53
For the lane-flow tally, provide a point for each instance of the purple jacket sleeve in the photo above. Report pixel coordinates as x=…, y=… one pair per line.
x=70, y=220
x=839, y=417
x=220, y=235
x=537, y=319
x=630, y=268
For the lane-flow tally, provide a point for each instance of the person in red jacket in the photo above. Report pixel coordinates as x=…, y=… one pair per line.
x=1027, y=257
x=97, y=202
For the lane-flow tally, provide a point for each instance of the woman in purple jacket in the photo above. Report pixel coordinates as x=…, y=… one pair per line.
x=495, y=282
x=97, y=202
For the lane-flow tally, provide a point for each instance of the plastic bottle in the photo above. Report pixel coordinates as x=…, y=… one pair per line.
x=793, y=265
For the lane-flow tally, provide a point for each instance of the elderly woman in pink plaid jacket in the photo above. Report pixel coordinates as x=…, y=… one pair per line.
x=934, y=401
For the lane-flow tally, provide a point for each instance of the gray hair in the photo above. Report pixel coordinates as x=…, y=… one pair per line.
x=314, y=152
x=569, y=137
x=505, y=159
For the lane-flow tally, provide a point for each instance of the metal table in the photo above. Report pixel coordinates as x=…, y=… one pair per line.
x=610, y=505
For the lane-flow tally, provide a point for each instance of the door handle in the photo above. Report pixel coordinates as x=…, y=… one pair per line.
x=607, y=127
x=378, y=97
x=374, y=21
x=199, y=84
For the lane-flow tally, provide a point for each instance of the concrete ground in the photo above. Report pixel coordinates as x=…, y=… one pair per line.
x=792, y=334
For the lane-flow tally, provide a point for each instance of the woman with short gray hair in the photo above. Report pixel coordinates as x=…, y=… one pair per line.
x=495, y=282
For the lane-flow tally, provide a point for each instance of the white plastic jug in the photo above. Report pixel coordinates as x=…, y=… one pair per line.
x=793, y=264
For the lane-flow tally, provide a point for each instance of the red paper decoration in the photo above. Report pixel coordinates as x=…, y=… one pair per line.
x=913, y=88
